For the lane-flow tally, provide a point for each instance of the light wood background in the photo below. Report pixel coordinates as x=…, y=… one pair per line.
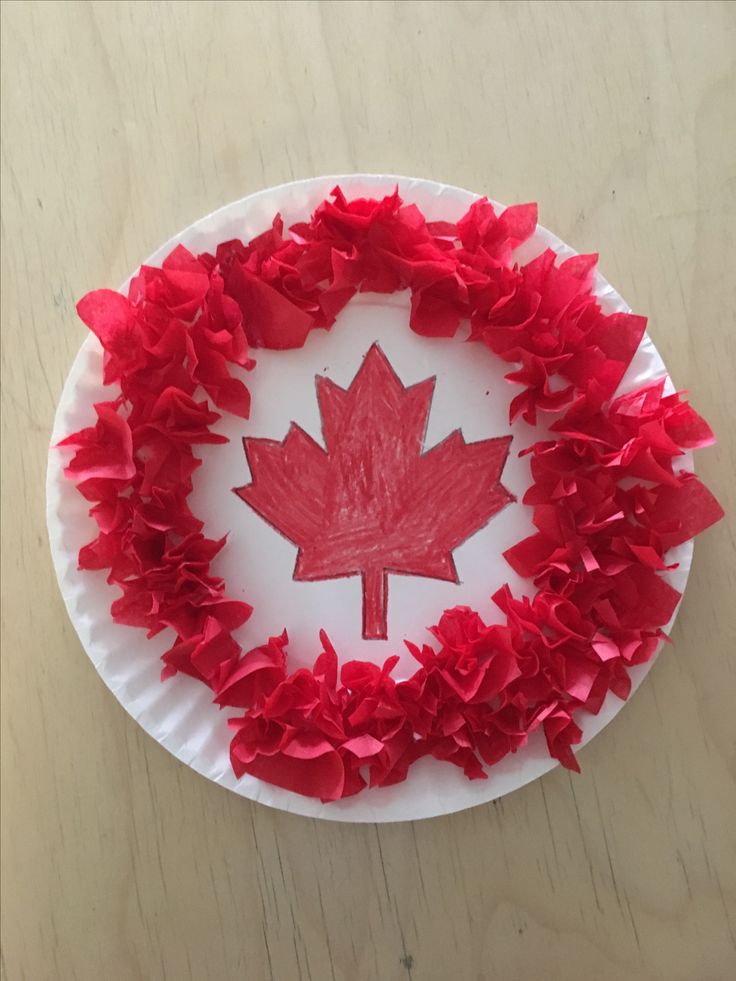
x=123, y=122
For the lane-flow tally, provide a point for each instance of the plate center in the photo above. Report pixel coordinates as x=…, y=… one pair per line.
x=470, y=394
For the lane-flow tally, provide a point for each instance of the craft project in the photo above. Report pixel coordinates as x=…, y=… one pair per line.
x=349, y=509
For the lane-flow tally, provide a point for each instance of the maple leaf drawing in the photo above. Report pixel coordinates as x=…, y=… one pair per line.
x=372, y=501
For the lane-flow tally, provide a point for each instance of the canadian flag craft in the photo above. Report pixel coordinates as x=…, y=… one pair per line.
x=608, y=497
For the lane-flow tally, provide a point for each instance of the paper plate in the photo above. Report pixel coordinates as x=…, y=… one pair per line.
x=257, y=563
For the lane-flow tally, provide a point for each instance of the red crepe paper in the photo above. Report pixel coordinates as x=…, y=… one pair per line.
x=105, y=451
x=608, y=495
x=374, y=502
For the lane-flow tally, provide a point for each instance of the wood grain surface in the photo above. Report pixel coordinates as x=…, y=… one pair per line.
x=124, y=122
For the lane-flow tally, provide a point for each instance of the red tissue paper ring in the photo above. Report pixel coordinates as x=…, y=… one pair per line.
x=608, y=498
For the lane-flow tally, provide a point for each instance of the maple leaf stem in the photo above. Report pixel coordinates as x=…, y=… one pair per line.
x=375, y=604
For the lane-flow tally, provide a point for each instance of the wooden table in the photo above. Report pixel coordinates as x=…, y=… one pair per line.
x=123, y=122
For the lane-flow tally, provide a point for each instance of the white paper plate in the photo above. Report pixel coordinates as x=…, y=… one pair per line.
x=257, y=563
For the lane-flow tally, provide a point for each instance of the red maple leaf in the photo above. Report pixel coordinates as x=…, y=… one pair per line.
x=371, y=502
